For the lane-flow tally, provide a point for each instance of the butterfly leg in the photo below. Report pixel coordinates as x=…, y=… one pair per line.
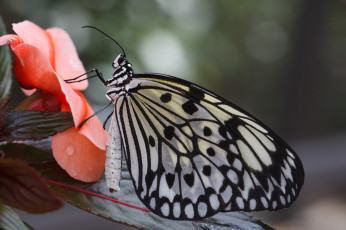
x=105, y=122
x=77, y=79
x=99, y=75
x=81, y=124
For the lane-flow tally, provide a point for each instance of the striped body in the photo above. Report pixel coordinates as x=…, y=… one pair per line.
x=121, y=75
x=113, y=156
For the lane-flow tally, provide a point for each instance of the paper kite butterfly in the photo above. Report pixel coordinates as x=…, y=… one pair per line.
x=190, y=152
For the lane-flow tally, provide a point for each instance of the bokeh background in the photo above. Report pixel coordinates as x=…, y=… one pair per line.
x=283, y=61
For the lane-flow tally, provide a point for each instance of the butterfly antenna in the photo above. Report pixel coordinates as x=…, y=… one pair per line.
x=106, y=36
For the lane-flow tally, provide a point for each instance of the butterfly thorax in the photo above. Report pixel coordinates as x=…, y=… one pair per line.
x=121, y=77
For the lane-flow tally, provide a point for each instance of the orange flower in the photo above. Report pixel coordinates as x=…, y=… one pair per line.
x=43, y=60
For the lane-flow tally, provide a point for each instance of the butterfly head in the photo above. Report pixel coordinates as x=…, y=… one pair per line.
x=122, y=68
x=122, y=72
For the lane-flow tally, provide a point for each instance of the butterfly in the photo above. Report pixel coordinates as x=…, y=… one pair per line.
x=190, y=152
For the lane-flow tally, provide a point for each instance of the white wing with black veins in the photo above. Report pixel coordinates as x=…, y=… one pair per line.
x=192, y=154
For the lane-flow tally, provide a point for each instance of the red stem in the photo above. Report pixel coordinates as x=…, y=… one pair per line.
x=95, y=194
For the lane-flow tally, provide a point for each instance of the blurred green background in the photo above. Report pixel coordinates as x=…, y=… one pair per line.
x=283, y=61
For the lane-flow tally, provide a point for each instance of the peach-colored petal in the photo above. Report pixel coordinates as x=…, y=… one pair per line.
x=67, y=62
x=36, y=36
x=93, y=129
x=78, y=156
x=76, y=102
x=10, y=39
x=28, y=92
x=80, y=109
x=33, y=70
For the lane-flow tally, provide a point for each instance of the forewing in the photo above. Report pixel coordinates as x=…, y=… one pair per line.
x=192, y=154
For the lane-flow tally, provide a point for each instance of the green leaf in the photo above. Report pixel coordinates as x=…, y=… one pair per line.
x=30, y=152
x=34, y=125
x=124, y=206
x=5, y=68
x=22, y=188
x=9, y=220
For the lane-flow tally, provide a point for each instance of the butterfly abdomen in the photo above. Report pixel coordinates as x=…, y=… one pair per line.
x=113, y=157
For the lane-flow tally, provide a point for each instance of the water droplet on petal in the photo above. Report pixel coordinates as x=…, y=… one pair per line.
x=69, y=149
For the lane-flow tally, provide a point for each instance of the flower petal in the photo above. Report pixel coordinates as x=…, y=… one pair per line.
x=67, y=62
x=80, y=109
x=78, y=155
x=10, y=39
x=93, y=129
x=36, y=36
x=72, y=101
x=28, y=92
x=33, y=70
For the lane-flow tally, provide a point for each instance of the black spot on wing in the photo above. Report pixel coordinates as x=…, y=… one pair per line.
x=189, y=107
x=151, y=141
x=170, y=179
x=211, y=151
x=206, y=131
x=206, y=170
x=149, y=178
x=169, y=132
x=197, y=92
x=165, y=98
x=189, y=179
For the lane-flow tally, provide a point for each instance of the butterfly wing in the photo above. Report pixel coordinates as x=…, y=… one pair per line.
x=192, y=153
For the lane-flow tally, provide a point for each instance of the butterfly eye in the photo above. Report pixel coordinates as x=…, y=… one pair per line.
x=120, y=60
